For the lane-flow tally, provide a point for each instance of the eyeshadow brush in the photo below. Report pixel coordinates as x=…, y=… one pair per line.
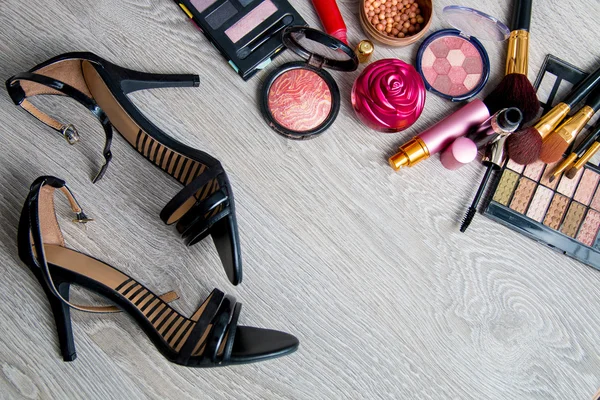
x=524, y=146
x=559, y=140
x=589, y=153
x=581, y=148
x=493, y=161
x=515, y=89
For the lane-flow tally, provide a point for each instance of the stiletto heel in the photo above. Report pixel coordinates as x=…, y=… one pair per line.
x=205, y=206
x=62, y=318
x=132, y=81
x=210, y=337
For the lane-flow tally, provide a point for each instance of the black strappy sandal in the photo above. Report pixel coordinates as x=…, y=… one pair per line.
x=210, y=337
x=205, y=205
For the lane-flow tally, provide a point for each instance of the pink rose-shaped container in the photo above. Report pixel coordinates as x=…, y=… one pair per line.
x=389, y=95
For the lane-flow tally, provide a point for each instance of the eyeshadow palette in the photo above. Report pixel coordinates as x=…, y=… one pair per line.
x=556, y=79
x=246, y=32
x=561, y=212
x=564, y=213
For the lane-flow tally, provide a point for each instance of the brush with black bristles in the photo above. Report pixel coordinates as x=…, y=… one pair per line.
x=524, y=146
x=515, y=89
x=579, y=151
x=555, y=145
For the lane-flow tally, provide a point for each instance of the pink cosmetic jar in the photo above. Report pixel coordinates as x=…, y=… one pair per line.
x=389, y=95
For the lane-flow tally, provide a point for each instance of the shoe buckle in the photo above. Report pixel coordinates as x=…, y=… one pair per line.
x=81, y=218
x=70, y=134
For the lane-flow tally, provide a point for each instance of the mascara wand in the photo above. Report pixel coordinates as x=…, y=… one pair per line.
x=473, y=209
x=493, y=160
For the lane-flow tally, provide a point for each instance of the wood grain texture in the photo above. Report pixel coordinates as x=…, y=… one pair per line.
x=366, y=266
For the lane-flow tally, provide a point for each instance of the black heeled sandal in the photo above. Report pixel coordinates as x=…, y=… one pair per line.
x=205, y=205
x=210, y=337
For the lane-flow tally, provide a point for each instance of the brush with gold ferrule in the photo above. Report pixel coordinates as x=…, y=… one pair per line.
x=524, y=146
x=587, y=156
x=578, y=152
x=555, y=145
x=590, y=147
x=515, y=89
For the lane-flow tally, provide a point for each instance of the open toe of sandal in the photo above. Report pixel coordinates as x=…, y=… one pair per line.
x=210, y=337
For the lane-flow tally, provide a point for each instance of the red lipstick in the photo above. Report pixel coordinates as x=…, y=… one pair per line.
x=331, y=18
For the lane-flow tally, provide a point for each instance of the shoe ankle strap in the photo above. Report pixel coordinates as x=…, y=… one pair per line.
x=32, y=226
x=68, y=131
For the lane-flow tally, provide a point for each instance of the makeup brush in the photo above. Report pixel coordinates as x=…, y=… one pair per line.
x=494, y=159
x=581, y=148
x=524, y=146
x=591, y=152
x=554, y=146
x=515, y=89
x=593, y=145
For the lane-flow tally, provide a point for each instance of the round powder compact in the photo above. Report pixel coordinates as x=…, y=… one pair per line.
x=453, y=63
x=299, y=100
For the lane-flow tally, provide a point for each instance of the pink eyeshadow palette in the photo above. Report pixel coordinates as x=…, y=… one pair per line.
x=246, y=32
x=254, y=18
x=564, y=214
x=453, y=66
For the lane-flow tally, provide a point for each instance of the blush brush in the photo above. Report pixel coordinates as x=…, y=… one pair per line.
x=515, y=89
x=555, y=145
x=524, y=146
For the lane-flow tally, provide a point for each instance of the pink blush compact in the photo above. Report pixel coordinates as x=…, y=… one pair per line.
x=299, y=99
x=453, y=66
x=453, y=62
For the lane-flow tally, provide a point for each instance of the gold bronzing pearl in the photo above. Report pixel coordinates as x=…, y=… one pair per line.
x=364, y=50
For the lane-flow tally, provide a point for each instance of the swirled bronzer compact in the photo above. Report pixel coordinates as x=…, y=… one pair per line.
x=300, y=100
x=389, y=95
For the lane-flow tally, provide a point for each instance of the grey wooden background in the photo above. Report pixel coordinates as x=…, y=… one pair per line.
x=366, y=266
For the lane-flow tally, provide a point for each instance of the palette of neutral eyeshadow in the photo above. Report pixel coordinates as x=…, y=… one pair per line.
x=246, y=32
x=563, y=214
